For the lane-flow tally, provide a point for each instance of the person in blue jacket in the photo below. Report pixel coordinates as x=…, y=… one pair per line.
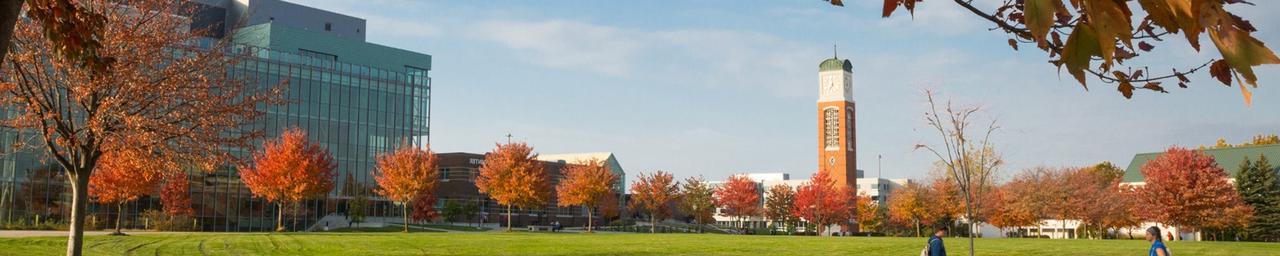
x=936, y=247
x=1157, y=244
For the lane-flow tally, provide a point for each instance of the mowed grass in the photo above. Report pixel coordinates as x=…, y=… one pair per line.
x=496, y=243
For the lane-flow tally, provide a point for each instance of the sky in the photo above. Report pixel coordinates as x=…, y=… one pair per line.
x=719, y=87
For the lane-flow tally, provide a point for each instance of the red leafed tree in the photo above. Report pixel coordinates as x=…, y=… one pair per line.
x=739, y=198
x=1186, y=188
x=175, y=196
x=1004, y=212
x=652, y=193
x=586, y=184
x=288, y=170
x=136, y=82
x=911, y=205
x=868, y=214
x=424, y=207
x=513, y=176
x=124, y=176
x=405, y=175
x=821, y=203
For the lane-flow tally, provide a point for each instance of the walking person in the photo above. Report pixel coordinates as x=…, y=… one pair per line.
x=935, y=247
x=1157, y=244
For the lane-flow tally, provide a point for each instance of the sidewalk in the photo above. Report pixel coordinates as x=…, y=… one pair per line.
x=35, y=233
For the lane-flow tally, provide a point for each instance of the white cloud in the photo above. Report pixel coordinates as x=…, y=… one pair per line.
x=566, y=44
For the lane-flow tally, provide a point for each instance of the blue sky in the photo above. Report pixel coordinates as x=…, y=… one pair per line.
x=714, y=88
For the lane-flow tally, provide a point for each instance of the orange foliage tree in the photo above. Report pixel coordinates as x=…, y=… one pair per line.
x=586, y=184
x=175, y=196
x=697, y=199
x=140, y=84
x=288, y=170
x=911, y=205
x=124, y=176
x=777, y=206
x=652, y=193
x=739, y=198
x=405, y=174
x=424, y=207
x=513, y=176
x=1186, y=188
x=820, y=202
x=868, y=214
x=1104, y=31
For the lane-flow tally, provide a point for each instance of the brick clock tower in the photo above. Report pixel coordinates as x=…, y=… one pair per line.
x=836, y=138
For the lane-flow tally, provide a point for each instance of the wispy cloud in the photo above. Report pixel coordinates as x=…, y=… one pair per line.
x=566, y=44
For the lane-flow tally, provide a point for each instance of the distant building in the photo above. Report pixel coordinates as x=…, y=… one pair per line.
x=878, y=189
x=458, y=172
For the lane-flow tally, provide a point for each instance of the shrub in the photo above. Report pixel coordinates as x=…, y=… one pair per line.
x=159, y=221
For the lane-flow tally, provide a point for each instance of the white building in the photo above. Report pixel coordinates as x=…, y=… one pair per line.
x=879, y=189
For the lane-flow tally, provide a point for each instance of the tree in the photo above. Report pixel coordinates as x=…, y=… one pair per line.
x=1104, y=31
x=652, y=193
x=1259, y=187
x=124, y=176
x=1186, y=189
x=697, y=199
x=175, y=196
x=868, y=213
x=513, y=176
x=406, y=174
x=356, y=207
x=911, y=205
x=778, y=204
x=1259, y=139
x=142, y=82
x=970, y=161
x=738, y=198
x=424, y=207
x=288, y=170
x=820, y=202
x=586, y=184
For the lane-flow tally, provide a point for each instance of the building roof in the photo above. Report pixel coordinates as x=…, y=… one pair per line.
x=1229, y=159
x=836, y=64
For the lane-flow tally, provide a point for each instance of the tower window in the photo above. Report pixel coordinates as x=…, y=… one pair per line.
x=831, y=128
x=849, y=136
x=328, y=26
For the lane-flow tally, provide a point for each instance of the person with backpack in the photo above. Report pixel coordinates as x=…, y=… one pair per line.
x=1157, y=245
x=935, y=247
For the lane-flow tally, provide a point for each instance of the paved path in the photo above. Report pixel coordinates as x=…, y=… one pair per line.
x=31, y=233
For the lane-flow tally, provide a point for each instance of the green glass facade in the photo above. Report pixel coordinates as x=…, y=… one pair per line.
x=354, y=98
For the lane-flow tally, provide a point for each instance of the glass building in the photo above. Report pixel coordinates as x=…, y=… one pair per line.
x=356, y=99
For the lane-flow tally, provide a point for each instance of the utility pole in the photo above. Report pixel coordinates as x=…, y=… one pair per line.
x=508, y=138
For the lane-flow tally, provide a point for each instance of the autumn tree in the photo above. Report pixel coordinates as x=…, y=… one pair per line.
x=513, y=176
x=288, y=170
x=1259, y=139
x=652, y=193
x=738, y=198
x=911, y=205
x=1029, y=190
x=821, y=202
x=1259, y=187
x=124, y=176
x=406, y=174
x=175, y=196
x=697, y=198
x=1103, y=32
x=778, y=204
x=868, y=214
x=424, y=207
x=967, y=155
x=1187, y=189
x=586, y=184
x=142, y=81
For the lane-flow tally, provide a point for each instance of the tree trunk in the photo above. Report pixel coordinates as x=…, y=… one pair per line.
x=280, y=217
x=653, y=223
x=79, y=198
x=8, y=19
x=119, y=215
x=508, y=218
x=917, y=228
x=589, y=219
x=406, y=216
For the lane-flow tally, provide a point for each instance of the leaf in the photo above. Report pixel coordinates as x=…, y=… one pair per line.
x=1248, y=96
x=1154, y=86
x=1013, y=43
x=1081, y=45
x=1124, y=86
x=837, y=2
x=1174, y=16
x=1241, y=51
x=1221, y=71
x=1110, y=20
x=1038, y=16
x=1136, y=74
x=1144, y=46
x=889, y=6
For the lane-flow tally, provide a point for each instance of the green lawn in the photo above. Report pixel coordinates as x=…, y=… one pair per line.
x=490, y=243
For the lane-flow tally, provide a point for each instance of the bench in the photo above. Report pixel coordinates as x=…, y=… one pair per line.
x=539, y=228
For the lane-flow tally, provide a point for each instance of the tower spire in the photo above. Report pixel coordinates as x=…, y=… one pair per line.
x=834, y=53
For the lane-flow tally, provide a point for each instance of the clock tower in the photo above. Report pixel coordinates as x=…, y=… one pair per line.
x=836, y=138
